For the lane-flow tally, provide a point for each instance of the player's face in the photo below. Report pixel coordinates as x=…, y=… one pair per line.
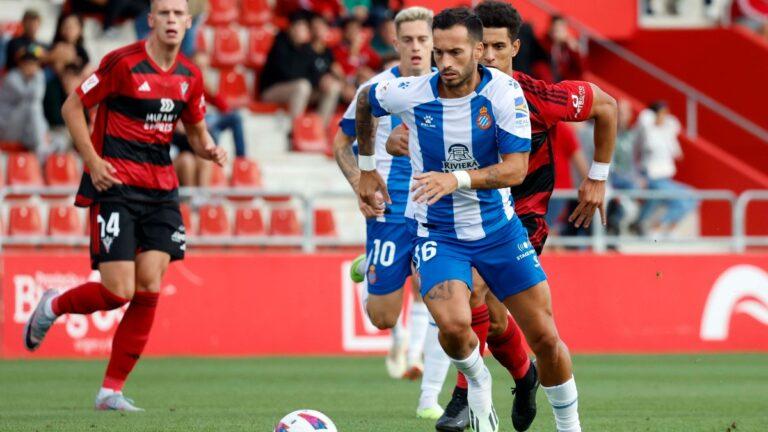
x=456, y=55
x=169, y=20
x=498, y=48
x=414, y=44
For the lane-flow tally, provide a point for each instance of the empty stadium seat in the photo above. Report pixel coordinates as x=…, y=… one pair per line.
x=218, y=177
x=259, y=43
x=233, y=87
x=222, y=12
x=61, y=170
x=325, y=225
x=227, y=49
x=309, y=134
x=213, y=221
x=245, y=173
x=23, y=170
x=64, y=220
x=255, y=12
x=25, y=219
x=284, y=222
x=248, y=222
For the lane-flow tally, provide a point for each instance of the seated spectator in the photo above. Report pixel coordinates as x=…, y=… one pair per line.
x=110, y=11
x=222, y=117
x=659, y=148
x=564, y=51
x=30, y=24
x=67, y=46
x=57, y=89
x=384, y=40
x=329, y=9
x=21, y=101
x=358, y=9
x=328, y=78
x=358, y=60
x=624, y=172
x=290, y=69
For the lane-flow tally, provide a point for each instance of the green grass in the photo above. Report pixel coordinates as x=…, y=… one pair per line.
x=617, y=393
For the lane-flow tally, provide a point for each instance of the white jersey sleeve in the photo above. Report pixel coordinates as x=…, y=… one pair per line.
x=513, y=121
x=399, y=95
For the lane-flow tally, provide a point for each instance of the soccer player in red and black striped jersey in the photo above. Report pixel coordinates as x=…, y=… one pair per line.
x=141, y=90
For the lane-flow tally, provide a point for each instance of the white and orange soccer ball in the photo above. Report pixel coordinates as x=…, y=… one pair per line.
x=305, y=421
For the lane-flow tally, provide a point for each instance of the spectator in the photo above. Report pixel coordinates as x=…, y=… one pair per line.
x=30, y=24
x=624, y=172
x=67, y=47
x=327, y=78
x=358, y=9
x=290, y=67
x=567, y=59
x=57, y=89
x=222, y=117
x=358, y=60
x=329, y=9
x=567, y=156
x=21, y=101
x=532, y=59
x=384, y=39
x=659, y=148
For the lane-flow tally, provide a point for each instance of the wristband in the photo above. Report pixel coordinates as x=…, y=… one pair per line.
x=366, y=163
x=599, y=171
x=462, y=177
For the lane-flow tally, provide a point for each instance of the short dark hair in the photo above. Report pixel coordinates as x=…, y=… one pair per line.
x=299, y=15
x=462, y=16
x=497, y=14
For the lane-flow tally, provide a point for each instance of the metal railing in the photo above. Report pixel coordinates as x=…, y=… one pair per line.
x=598, y=240
x=693, y=96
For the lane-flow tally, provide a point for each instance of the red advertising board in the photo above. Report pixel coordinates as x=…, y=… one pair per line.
x=261, y=304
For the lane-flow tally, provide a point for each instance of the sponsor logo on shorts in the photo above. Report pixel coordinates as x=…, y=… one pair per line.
x=180, y=236
x=107, y=241
x=525, y=254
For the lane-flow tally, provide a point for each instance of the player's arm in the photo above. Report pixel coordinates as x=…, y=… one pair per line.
x=592, y=189
x=370, y=181
x=397, y=143
x=345, y=158
x=103, y=174
x=202, y=143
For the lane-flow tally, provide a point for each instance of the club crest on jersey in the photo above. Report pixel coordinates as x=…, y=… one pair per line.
x=483, y=119
x=459, y=159
x=184, y=87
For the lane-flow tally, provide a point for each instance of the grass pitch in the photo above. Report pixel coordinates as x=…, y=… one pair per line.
x=617, y=393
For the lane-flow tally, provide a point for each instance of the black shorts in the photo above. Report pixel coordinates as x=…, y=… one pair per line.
x=121, y=230
x=538, y=231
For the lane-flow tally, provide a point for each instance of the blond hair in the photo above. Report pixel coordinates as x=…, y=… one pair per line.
x=415, y=13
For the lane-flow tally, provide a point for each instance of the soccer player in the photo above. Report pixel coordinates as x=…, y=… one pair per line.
x=549, y=104
x=467, y=145
x=129, y=184
x=388, y=258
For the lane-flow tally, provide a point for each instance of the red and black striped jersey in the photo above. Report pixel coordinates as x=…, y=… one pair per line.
x=548, y=104
x=139, y=106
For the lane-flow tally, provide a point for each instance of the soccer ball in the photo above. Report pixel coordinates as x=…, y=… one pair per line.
x=305, y=421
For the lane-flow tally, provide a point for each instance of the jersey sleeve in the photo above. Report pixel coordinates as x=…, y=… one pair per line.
x=395, y=96
x=194, y=111
x=347, y=123
x=102, y=83
x=569, y=101
x=513, y=122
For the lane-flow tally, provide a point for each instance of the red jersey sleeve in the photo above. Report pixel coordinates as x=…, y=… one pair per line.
x=572, y=102
x=102, y=83
x=194, y=111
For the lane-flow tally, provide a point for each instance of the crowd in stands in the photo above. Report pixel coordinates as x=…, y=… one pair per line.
x=319, y=52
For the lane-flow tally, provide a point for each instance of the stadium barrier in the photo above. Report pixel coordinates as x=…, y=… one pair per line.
x=301, y=304
x=738, y=240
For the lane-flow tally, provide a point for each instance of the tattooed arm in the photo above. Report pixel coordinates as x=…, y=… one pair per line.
x=370, y=182
x=345, y=158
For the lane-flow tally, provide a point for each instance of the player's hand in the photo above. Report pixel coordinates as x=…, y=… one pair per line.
x=591, y=198
x=371, y=211
x=432, y=186
x=397, y=143
x=103, y=174
x=216, y=154
x=372, y=190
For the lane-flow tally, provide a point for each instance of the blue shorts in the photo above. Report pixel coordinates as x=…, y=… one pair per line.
x=388, y=250
x=505, y=259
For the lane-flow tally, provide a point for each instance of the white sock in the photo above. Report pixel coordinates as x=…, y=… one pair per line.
x=478, y=377
x=48, y=308
x=419, y=324
x=436, y=365
x=399, y=333
x=565, y=404
x=104, y=392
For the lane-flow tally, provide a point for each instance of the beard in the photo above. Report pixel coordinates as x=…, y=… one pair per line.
x=463, y=76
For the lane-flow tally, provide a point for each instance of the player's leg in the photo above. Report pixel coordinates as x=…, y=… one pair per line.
x=446, y=276
x=113, y=246
x=436, y=365
x=417, y=324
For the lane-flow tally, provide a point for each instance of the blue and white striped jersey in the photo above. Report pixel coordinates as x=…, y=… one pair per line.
x=395, y=170
x=459, y=134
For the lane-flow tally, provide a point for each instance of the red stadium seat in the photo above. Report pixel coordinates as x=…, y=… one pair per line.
x=325, y=225
x=309, y=134
x=227, y=49
x=222, y=12
x=218, y=178
x=12, y=147
x=233, y=87
x=23, y=170
x=61, y=170
x=213, y=221
x=64, y=220
x=259, y=43
x=284, y=222
x=248, y=222
x=25, y=220
x=255, y=12
x=186, y=218
x=245, y=173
